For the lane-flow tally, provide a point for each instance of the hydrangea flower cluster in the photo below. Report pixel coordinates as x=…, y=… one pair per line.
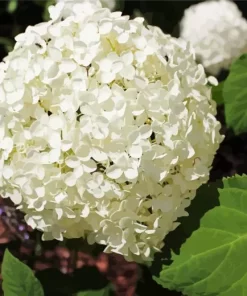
x=217, y=31
x=111, y=4
x=107, y=129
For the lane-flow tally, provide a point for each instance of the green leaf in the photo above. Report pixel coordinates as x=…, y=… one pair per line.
x=18, y=279
x=217, y=94
x=213, y=260
x=235, y=96
x=12, y=6
x=103, y=292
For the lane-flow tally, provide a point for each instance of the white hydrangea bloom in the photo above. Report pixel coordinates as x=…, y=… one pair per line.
x=107, y=129
x=111, y=4
x=217, y=31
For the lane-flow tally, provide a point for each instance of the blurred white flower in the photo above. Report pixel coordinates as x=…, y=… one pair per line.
x=217, y=31
x=107, y=129
x=111, y=4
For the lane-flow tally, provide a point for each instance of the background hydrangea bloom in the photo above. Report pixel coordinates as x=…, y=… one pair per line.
x=217, y=31
x=107, y=129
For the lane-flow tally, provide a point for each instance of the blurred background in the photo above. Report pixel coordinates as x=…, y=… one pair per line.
x=67, y=267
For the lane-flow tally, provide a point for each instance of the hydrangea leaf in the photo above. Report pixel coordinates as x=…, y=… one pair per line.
x=213, y=260
x=235, y=96
x=217, y=93
x=18, y=279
